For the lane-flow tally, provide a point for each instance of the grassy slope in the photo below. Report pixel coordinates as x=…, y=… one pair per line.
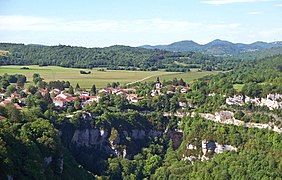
x=100, y=79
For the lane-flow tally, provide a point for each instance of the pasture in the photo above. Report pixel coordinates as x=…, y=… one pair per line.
x=99, y=78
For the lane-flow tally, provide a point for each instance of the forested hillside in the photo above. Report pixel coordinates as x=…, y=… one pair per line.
x=222, y=48
x=114, y=57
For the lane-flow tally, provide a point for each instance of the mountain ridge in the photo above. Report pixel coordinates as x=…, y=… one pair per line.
x=216, y=47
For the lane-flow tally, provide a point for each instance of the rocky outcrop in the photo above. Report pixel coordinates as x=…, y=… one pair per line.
x=155, y=133
x=137, y=134
x=227, y=117
x=208, y=148
x=214, y=147
x=272, y=101
x=191, y=146
x=89, y=137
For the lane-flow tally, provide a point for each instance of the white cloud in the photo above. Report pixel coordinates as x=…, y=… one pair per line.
x=27, y=23
x=279, y=5
x=254, y=13
x=221, y=2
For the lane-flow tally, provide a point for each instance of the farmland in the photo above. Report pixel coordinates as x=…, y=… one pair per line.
x=99, y=78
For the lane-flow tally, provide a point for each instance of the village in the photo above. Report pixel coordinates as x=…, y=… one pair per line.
x=63, y=99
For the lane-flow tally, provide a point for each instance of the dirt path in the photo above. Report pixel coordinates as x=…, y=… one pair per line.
x=148, y=77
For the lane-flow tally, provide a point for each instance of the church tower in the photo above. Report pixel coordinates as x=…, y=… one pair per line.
x=158, y=83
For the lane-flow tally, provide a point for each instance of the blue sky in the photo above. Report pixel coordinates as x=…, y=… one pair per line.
x=94, y=23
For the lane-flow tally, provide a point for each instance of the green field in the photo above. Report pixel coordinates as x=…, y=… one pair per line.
x=99, y=78
x=187, y=77
x=238, y=87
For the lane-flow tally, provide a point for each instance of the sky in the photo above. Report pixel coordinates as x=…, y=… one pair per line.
x=101, y=23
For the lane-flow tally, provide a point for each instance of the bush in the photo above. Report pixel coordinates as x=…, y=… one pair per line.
x=84, y=72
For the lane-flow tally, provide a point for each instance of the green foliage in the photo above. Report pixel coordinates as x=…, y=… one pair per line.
x=32, y=89
x=114, y=57
x=71, y=91
x=93, y=90
x=27, y=137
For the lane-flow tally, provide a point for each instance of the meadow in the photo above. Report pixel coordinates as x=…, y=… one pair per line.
x=99, y=78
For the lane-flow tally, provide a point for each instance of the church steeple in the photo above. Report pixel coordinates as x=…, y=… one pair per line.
x=158, y=83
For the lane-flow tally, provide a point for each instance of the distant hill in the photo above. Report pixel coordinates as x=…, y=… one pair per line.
x=113, y=57
x=216, y=47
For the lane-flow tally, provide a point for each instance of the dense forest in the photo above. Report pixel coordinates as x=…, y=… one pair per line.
x=118, y=139
x=114, y=57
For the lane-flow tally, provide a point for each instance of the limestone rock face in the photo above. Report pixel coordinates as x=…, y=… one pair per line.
x=214, y=147
x=272, y=101
x=138, y=134
x=191, y=146
x=155, y=133
x=89, y=137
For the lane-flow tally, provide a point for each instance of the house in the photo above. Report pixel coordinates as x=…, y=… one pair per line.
x=133, y=98
x=14, y=95
x=56, y=91
x=2, y=95
x=117, y=91
x=94, y=98
x=86, y=100
x=43, y=91
x=63, y=99
x=185, y=89
x=83, y=93
x=89, y=98
x=6, y=101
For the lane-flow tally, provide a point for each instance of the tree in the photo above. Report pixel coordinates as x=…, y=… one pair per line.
x=151, y=164
x=114, y=168
x=181, y=82
x=21, y=80
x=47, y=97
x=67, y=84
x=239, y=114
x=13, y=113
x=20, y=83
x=5, y=84
x=3, y=111
x=31, y=89
x=36, y=78
x=41, y=84
x=77, y=87
x=93, y=90
x=71, y=91
x=280, y=68
x=10, y=89
x=35, y=75
x=77, y=104
x=252, y=89
x=70, y=109
x=115, y=84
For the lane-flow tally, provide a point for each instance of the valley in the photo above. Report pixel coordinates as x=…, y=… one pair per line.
x=141, y=90
x=119, y=124
x=98, y=77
